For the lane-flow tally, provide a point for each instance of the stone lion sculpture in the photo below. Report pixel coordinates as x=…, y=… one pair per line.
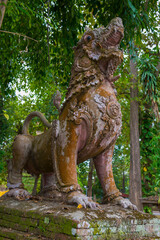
x=88, y=126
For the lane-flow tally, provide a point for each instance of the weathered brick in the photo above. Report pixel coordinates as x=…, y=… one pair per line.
x=44, y=221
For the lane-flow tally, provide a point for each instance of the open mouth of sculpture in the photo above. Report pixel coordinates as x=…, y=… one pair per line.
x=109, y=63
x=114, y=38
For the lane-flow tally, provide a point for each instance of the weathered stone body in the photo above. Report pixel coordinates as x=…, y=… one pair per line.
x=88, y=126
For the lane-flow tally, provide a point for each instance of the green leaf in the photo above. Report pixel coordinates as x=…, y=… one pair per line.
x=6, y=116
x=132, y=7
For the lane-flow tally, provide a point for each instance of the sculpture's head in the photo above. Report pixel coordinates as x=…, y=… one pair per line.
x=100, y=46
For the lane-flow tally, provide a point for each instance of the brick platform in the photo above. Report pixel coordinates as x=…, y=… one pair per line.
x=50, y=220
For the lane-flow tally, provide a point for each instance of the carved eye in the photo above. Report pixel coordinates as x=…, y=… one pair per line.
x=88, y=38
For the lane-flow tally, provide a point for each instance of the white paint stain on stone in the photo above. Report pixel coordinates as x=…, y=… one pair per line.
x=74, y=231
x=63, y=135
x=83, y=224
x=77, y=215
x=68, y=160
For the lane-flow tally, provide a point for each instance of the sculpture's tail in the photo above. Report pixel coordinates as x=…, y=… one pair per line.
x=29, y=118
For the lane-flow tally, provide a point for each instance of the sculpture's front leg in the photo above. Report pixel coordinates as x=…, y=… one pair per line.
x=103, y=165
x=66, y=156
x=66, y=164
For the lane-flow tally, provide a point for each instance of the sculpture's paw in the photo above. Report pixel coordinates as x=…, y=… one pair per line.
x=79, y=198
x=125, y=203
x=18, y=193
x=52, y=194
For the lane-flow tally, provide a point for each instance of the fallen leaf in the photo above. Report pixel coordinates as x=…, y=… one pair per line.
x=3, y=192
x=79, y=206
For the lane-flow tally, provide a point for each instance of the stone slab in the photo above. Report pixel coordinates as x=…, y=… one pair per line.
x=34, y=219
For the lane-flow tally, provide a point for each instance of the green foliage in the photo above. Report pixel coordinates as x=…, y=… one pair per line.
x=147, y=209
x=28, y=182
x=135, y=15
x=148, y=76
x=82, y=170
x=3, y=119
x=2, y=169
x=121, y=166
x=3, y=129
x=97, y=188
x=150, y=154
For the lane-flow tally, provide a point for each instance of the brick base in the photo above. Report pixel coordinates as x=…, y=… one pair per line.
x=50, y=220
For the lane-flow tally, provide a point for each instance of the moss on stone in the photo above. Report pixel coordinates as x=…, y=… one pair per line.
x=49, y=219
x=12, y=234
x=18, y=219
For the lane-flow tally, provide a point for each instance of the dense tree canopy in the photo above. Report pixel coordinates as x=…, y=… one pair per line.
x=36, y=41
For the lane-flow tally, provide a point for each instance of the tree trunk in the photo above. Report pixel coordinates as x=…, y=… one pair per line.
x=123, y=183
x=135, y=192
x=48, y=13
x=3, y=4
x=89, y=187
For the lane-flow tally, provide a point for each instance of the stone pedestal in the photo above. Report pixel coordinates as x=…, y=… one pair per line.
x=49, y=220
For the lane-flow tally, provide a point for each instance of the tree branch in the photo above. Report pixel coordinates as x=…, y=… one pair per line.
x=19, y=34
x=3, y=4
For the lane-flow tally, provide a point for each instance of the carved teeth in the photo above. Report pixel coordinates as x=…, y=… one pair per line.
x=113, y=38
